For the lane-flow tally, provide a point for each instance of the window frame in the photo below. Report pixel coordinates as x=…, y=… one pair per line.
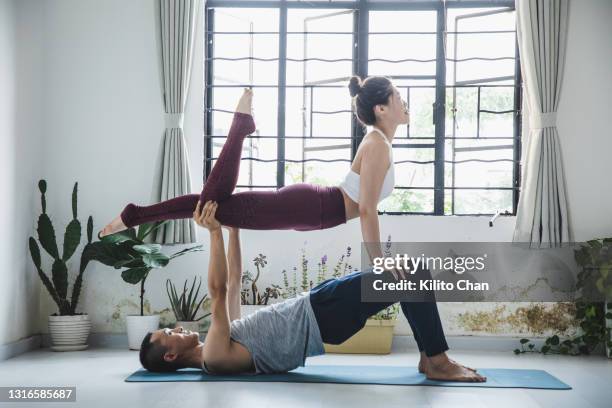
x=360, y=67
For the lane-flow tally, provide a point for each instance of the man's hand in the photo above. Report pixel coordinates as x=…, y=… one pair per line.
x=205, y=217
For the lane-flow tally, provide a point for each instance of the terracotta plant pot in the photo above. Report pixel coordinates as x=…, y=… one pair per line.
x=137, y=328
x=375, y=337
x=69, y=333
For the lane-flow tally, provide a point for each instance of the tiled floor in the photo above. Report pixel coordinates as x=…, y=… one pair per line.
x=98, y=375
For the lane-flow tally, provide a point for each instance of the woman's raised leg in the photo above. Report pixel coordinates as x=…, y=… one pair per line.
x=218, y=187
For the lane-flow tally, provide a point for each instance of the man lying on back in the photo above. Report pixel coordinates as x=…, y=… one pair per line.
x=279, y=337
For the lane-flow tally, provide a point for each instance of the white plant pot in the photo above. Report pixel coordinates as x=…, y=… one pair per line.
x=69, y=333
x=137, y=328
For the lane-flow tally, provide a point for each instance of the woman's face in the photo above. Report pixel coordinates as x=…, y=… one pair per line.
x=396, y=109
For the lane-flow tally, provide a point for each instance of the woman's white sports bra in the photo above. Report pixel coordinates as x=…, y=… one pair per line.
x=350, y=184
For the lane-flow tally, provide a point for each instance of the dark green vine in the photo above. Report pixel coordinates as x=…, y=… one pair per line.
x=595, y=259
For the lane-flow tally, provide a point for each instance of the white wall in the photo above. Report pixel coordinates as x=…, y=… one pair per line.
x=584, y=116
x=20, y=156
x=103, y=125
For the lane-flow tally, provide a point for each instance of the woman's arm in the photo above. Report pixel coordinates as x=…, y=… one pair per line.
x=234, y=260
x=374, y=165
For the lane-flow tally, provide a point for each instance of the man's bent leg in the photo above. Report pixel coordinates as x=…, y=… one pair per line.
x=338, y=308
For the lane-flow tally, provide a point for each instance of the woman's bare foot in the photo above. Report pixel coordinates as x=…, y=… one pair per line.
x=424, y=361
x=245, y=104
x=115, y=225
x=442, y=368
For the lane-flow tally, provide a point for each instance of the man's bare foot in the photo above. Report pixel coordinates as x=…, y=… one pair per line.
x=442, y=368
x=424, y=361
x=115, y=225
x=245, y=104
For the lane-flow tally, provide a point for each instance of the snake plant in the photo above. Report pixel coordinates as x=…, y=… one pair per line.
x=187, y=305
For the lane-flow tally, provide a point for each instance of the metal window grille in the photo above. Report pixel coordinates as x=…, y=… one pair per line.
x=444, y=113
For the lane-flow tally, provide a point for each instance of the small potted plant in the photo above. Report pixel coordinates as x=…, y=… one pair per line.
x=127, y=250
x=69, y=330
x=187, y=305
x=376, y=337
x=251, y=299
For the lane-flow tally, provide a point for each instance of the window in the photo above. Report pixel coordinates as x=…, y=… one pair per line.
x=460, y=157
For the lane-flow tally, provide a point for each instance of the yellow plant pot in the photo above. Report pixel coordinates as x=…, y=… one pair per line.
x=374, y=338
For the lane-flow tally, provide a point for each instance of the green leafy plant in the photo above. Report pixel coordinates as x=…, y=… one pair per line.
x=322, y=269
x=250, y=294
x=390, y=313
x=306, y=284
x=595, y=259
x=341, y=269
x=187, y=305
x=343, y=266
x=127, y=250
x=57, y=286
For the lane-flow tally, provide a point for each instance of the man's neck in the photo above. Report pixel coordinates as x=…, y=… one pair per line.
x=194, y=358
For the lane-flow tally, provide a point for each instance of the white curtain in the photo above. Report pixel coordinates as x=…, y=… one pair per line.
x=176, y=35
x=542, y=214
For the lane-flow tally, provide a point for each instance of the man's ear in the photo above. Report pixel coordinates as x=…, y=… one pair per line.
x=170, y=357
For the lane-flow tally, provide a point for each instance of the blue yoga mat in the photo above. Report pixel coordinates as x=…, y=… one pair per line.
x=352, y=374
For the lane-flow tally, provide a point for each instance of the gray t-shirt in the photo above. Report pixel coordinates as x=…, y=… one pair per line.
x=280, y=336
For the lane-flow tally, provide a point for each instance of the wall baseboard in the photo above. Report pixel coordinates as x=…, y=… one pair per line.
x=400, y=343
x=21, y=346
x=469, y=343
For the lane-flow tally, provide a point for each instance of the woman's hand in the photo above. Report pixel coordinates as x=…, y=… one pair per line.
x=205, y=217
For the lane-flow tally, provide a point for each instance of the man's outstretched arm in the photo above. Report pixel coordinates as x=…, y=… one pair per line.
x=234, y=283
x=219, y=354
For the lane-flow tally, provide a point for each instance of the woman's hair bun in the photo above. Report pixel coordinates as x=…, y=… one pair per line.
x=355, y=85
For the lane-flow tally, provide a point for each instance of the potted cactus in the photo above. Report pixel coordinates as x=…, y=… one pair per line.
x=127, y=250
x=187, y=305
x=69, y=330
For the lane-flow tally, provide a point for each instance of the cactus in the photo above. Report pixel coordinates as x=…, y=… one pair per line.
x=57, y=286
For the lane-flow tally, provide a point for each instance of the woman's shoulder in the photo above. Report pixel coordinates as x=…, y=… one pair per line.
x=375, y=144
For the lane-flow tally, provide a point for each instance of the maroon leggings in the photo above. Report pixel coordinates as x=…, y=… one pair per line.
x=302, y=207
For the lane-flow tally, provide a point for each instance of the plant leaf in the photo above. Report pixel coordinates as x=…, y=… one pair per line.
x=155, y=260
x=35, y=252
x=147, y=248
x=74, y=200
x=107, y=254
x=187, y=250
x=121, y=236
x=134, y=275
x=145, y=229
x=59, y=275
x=89, y=228
x=72, y=238
x=46, y=235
